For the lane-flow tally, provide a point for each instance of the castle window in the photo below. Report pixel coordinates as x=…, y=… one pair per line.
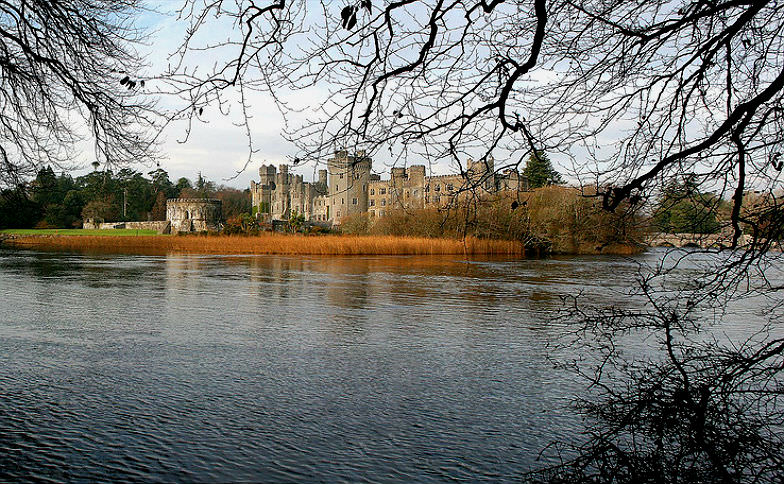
x=382, y=191
x=438, y=188
x=427, y=188
x=414, y=193
x=364, y=188
x=372, y=191
x=383, y=202
x=372, y=203
x=341, y=176
x=353, y=201
x=342, y=201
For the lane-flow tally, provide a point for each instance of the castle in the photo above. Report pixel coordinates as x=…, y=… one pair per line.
x=347, y=187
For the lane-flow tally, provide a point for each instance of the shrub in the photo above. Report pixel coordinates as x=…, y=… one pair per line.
x=553, y=218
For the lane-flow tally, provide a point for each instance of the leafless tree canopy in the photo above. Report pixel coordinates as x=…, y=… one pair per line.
x=61, y=67
x=634, y=91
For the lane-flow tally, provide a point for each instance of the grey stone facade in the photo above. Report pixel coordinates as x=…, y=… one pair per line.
x=348, y=187
x=193, y=214
x=279, y=194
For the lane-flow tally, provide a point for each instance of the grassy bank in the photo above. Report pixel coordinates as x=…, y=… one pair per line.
x=272, y=244
x=80, y=232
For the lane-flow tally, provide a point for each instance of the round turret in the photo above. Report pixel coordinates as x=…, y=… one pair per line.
x=193, y=214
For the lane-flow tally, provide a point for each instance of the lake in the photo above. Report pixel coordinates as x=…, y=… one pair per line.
x=281, y=369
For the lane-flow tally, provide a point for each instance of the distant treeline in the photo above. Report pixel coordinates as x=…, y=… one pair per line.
x=61, y=201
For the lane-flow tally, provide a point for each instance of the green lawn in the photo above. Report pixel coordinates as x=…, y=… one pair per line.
x=112, y=232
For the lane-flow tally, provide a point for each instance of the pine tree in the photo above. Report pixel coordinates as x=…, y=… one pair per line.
x=159, y=208
x=540, y=172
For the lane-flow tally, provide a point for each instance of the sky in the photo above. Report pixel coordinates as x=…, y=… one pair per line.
x=216, y=147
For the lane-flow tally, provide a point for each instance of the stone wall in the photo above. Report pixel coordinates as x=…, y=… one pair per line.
x=160, y=226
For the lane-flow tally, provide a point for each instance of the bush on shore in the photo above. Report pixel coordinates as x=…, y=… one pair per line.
x=553, y=219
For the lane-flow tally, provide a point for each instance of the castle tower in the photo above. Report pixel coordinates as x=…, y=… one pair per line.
x=322, y=177
x=193, y=214
x=281, y=200
x=298, y=196
x=348, y=184
x=266, y=174
x=416, y=175
x=416, y=186
x=279, y=192
x=397, y=176
x=481, y=173
x=261, y=193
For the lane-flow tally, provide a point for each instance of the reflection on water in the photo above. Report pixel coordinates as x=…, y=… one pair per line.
x=280, y=369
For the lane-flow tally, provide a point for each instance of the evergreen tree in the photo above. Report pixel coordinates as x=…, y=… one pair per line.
x=682, y=208
x=101, y=210
x=135, y=192
x=204, y=188
x=159, y=209
x=540, y=172
x=161, y=183
x=17, y=210
x=182, y=184
x=45, y=187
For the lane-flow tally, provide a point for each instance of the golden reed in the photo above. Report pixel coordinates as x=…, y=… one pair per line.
x=273, y=244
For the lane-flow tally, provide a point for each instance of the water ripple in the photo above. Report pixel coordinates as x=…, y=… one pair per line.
x=281, y=369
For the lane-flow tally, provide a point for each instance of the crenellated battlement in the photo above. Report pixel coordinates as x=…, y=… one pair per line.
x=194, y=200
x=348, y=187
x=194, y=214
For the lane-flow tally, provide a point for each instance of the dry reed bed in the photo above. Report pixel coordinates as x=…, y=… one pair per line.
x=276, y=244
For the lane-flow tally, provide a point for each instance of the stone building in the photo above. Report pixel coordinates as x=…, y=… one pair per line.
x=349, y=177
x=279, y=193
x=348, y=187
x=193, y=214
